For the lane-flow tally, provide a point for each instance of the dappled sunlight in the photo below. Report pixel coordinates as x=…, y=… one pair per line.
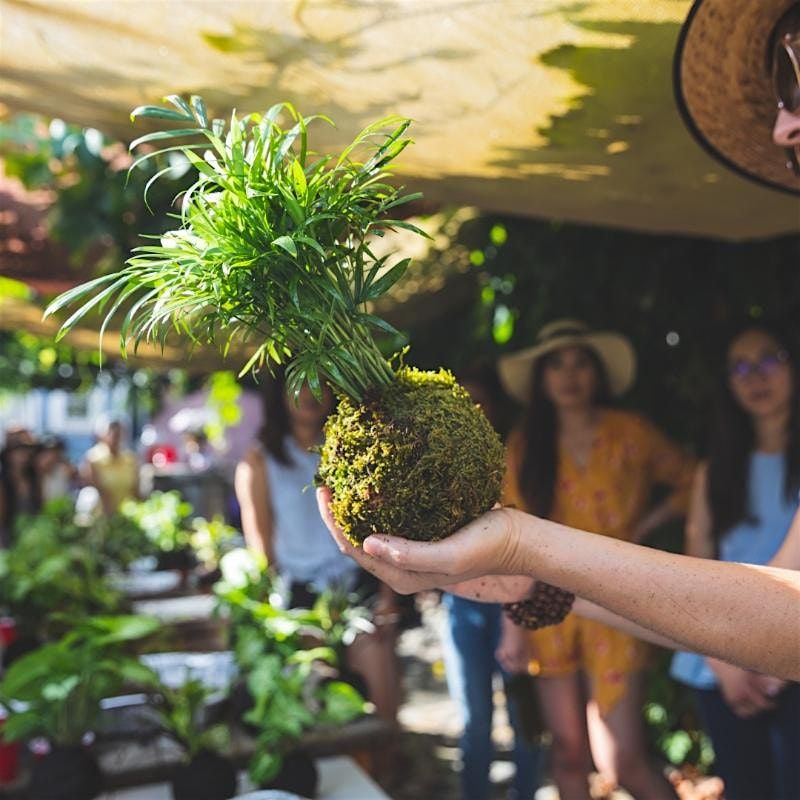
x=514, y=104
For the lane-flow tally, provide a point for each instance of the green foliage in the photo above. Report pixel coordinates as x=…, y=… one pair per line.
x=55, y=691
x=181, y=715
x=273, y=246
x=419, y=459
x=50, y=578
x=672, y=722
x=278, y=651
x=224, y=392
x=164, y=518
x=211, y=539
x=289, y=701
x=35, y=362
x=98, y=212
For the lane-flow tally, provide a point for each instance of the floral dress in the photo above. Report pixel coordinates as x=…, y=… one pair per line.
x=607, y=496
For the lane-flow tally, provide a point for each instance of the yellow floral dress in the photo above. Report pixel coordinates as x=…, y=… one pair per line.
x=608, y=496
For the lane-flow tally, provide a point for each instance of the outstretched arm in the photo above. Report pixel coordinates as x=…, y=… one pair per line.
x=739, y=613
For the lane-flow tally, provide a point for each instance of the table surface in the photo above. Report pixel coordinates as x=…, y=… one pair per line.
x=340, y=778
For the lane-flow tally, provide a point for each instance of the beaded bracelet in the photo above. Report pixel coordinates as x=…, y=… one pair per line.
x=547, y=605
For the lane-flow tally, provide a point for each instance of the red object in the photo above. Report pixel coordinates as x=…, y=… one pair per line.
x=162, y=454
x=8, y=631
x=9, y=756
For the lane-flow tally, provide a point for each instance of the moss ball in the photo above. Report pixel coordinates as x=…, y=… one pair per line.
x=418, y=459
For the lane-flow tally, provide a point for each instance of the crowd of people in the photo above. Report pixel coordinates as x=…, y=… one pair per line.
x=35, y=470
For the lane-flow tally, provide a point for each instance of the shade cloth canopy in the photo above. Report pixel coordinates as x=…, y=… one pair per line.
x=547, y=108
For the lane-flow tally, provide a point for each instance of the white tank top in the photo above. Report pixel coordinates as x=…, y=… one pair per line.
x=304, y=549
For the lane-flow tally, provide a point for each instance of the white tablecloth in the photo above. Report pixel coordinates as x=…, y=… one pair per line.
x=340, y=778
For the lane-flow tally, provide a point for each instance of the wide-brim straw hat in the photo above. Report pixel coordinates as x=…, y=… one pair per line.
x=724, y=90
x=613, y=349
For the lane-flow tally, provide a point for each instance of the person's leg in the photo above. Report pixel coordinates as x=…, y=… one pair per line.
x=527, y=754
x=373, y=657
x=741, y=748
x=784, y=726
x=564, y=708
x=469, y=665
x=618, y=743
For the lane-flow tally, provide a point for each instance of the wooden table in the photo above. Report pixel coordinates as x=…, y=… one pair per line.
x=340, y=778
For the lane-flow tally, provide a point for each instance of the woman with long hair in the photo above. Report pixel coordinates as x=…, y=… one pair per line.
x=580, y=462
x=280, y=519
x=744, y=498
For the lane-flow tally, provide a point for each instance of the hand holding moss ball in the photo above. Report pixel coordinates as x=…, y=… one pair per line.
x=417, y=458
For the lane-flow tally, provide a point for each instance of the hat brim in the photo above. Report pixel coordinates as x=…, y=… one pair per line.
x=723, y=87
x=613, y=349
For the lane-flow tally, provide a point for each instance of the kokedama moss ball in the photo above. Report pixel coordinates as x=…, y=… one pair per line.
x=418, y=459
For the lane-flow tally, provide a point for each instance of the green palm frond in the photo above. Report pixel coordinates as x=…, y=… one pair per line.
x=272, y=247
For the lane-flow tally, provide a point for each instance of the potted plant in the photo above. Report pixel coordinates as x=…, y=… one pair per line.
x=206, y=773
x=55, y=692
x=274, y=248
x=291, y=698
x=210, y=540
x=163, y=517
x=288, y=661
x=49, y=579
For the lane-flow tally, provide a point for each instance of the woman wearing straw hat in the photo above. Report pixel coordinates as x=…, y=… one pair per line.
x=580, y=462
x=737, y=85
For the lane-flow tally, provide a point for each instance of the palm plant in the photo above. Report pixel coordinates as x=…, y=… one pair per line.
x=273, y=249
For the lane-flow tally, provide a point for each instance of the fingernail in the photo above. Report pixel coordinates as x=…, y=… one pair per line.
x=374, y=546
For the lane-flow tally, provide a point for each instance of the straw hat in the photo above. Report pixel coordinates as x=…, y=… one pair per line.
x=613, y=349
x=724, y=90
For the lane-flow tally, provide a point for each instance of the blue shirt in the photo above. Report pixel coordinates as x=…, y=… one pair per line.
x=749, y=542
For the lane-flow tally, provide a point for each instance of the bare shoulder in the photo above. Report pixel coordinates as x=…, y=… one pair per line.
x=252, y=462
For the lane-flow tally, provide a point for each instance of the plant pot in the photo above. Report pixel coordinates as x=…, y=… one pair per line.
x=66, y=773
x=182, y=560
x=208, y=776
x=298, y=775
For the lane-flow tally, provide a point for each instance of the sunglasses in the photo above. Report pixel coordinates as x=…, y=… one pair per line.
x=786, y=80
x=743, y=370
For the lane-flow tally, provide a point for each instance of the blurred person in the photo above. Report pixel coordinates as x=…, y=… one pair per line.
x=57, y=476
x=472, y=637
x=20, y=487
x=111, y=468
x=274, y=488
x=744, y=499
x=198, y=452
x=580, y=462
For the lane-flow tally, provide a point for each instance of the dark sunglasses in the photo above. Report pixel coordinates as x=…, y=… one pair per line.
x=786, y=80
x=743, y=370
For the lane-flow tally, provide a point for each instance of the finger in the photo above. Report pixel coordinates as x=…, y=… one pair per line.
x=457, y=554
x=400, y=580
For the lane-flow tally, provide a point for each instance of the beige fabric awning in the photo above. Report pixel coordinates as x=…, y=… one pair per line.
x=546, y=108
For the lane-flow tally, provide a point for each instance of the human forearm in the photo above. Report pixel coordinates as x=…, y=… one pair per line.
x=589, y=610
x=749, y=618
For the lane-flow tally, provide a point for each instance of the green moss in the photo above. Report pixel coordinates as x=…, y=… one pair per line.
x=418, y=459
